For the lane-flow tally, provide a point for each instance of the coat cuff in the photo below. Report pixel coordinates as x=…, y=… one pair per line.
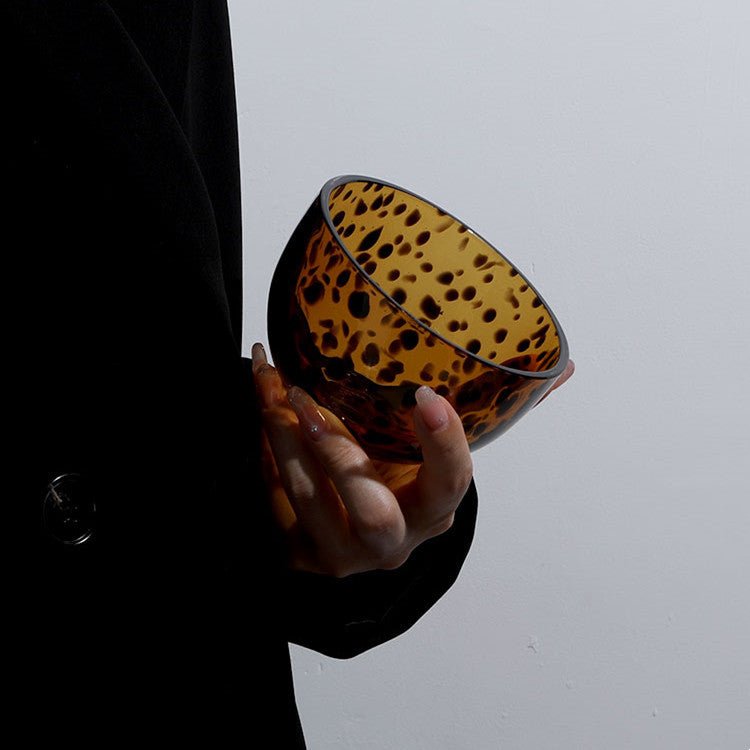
x=342, y=617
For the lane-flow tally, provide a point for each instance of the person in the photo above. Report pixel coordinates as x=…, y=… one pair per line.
x=196, y=517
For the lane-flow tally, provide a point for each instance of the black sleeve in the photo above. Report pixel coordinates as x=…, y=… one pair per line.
x=342, y=617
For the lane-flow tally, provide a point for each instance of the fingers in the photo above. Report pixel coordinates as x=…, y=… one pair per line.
x=374, y=513
x=307, y=487
x=446, y=472
x=336, y=493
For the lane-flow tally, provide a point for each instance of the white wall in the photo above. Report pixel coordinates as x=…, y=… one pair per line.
x=604, y=146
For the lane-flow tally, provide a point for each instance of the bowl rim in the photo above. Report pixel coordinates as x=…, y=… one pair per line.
x=324, y=199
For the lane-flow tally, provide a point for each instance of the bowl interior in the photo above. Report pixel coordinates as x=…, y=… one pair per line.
x=444, y=275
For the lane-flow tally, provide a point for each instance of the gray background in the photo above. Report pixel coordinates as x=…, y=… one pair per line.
x=604, y=147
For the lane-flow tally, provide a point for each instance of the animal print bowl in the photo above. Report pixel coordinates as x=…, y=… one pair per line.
x=380, y=291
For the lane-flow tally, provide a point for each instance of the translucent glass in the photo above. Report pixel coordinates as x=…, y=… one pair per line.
x=380, y=291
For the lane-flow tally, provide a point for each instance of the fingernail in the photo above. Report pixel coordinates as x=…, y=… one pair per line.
x=431, y=408
x=313, y=423
x=258, y=355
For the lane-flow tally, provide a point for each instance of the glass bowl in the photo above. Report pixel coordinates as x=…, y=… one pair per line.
x=380, y=291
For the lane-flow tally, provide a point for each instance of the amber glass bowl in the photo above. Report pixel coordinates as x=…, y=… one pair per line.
x=380, y=291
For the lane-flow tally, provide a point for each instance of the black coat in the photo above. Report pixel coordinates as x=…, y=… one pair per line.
x=173, y=618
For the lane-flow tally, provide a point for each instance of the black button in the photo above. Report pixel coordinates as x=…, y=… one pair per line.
x=69, y=508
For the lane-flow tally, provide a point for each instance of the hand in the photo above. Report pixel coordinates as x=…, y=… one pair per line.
x=342, y=512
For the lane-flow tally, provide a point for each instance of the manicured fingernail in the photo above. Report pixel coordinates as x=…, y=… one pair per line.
x=258, y=356
x=431, y=408
x=312, y=421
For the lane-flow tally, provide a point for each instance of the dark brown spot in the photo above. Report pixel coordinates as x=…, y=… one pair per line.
x=445, y=278
x=349, y=231
x=412, y=218
x=338, y=218
x=487, y=278
x=335, y=295
x=361, y=208
x=329, y=341
x=500, y=335
x=399, y=296
x=489, y=315
x=363, y=257
x=443, y=375
x=343, y=278
x=451, y=294
x=399, y=209
x=405, y=249
x=480, y=260
x=523, y=345
x=409, y=339
x=370, y=267
x=513, y=272
x=345, y=328
x=371, y=355
x=469, y=293
x=511, y=297
x=429, y=307
x=394, y=274
x=359, y=304
x=314, y=292
x=377, y=203
x=453, y=326
x=474, y=346
x=536, y=302
x=426, y=267
x=399, y=238
x=386, y=375
x=370, y=239
x=327, y=323
x=384, y=251
x=422, y=238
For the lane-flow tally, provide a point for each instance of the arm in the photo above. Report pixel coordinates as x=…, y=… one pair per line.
x=342, y=617
x=369, y=546
x=338, y=595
